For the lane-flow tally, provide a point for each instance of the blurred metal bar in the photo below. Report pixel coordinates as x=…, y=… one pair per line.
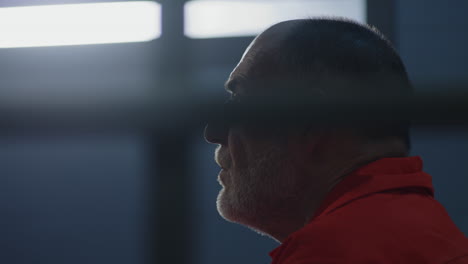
x=169, y=180
x=187, y=112
x=170, y=188
x=381, y=14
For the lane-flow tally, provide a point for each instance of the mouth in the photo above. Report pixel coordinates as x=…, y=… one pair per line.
x=222, y=177
x=222, y=159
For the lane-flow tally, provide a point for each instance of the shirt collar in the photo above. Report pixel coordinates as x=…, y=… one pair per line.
x=378, y=176
x=381, y=175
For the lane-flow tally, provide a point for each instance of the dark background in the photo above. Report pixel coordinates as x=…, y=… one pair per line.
x=82, y=198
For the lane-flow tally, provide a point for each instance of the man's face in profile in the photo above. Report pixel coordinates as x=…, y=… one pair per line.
x=259, y=166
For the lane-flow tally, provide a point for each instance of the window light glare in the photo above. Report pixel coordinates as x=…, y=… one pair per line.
x=78, y=24
x=229, y=18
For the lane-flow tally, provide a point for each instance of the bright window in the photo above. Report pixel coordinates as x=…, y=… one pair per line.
x=212, y=18
x=77, y=24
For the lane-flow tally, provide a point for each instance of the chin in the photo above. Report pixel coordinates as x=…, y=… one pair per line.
x=233, y=202
x=226, y=209
x=221, y=205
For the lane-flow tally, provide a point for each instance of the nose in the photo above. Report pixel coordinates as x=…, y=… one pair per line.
x=216, y=133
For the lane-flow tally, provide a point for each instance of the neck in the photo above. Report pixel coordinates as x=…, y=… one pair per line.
x=326, y=177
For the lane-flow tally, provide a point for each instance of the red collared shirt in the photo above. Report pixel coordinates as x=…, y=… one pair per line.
x=384, y=212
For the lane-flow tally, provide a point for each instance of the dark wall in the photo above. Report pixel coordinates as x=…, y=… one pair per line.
x=432, y=40
x=71, y=199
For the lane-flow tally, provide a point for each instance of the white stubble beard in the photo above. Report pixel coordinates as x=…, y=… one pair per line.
x=257, y=195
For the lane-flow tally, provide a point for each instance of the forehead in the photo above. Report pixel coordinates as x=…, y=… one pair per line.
x=258, y=61
x=244, y=71
x=251, y=68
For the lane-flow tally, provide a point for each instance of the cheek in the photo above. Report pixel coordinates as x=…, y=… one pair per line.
x=238, y=149
x=246, y=145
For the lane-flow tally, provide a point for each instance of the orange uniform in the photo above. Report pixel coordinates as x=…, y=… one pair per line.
x=384, y=212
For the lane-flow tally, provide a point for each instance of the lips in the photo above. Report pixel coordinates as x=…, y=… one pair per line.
x=221, y=164
x=223, y=167
x=222, y=158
